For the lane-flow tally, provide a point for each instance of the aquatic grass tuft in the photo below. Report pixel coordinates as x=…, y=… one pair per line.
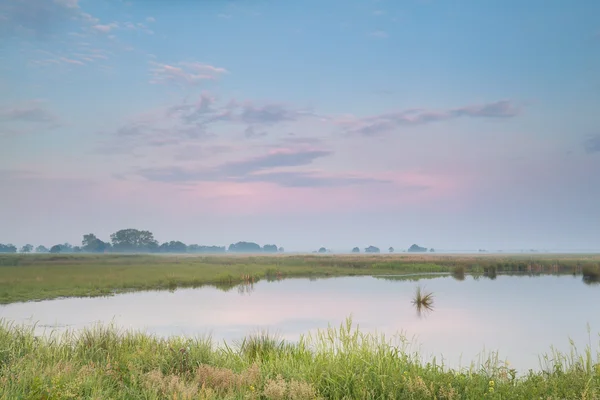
x=458, y=272
x=591, y=273
x=260, y=345
x=423, y=301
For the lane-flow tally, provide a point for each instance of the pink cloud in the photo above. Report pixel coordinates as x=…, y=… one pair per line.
x=249, y=198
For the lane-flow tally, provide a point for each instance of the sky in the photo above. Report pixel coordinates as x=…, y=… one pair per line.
x=451, y=124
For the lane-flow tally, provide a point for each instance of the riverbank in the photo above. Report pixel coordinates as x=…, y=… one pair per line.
x=336, y=363
x=42, y=277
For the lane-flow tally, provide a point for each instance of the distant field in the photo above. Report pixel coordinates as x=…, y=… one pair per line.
x=39, y=277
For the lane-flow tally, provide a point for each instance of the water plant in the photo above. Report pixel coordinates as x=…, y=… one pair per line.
x=591, y=273
x=458, y=272
x=423, y=301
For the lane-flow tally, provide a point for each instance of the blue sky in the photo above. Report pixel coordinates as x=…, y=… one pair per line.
x=457, y=125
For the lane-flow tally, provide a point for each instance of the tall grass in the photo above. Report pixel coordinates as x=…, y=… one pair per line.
x=335, y=363
x=591, y=273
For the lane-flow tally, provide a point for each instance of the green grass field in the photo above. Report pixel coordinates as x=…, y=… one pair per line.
x=338, y=363
x=40, y=277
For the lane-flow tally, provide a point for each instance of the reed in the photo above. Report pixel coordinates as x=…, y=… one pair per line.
x=423, y=301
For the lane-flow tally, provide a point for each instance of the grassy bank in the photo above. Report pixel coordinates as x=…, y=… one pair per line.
x=38, y=277
x=340, y=363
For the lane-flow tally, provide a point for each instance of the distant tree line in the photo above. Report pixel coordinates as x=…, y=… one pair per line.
x=140, y=241
x=373, y=249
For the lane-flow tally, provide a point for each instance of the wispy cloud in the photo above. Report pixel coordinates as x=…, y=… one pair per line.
x=382, y=123
x=378, y=13
x=263, y=169
x=311, y=179
x=592, y=144
x=40, y=18
x=250, y=132
x=31, y=112
x=107, y=28
x=184, y=73
x=378, y=34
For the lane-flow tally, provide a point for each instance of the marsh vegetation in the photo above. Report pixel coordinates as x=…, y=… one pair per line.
x=39, y=277
x=422, y=300
x=335, y=363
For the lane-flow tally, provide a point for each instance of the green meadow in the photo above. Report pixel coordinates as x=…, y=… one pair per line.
x=42, y=277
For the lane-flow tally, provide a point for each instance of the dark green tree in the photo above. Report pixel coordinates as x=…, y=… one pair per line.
x=417, y=249
x=356, y=250
x=269, y=248
x=194, y=248
x=91, y=244
x=244, y=247
x=7, y=248
x=372, y=249
x=41, y=249
x=28, y=248
x=133, y=240
x=173, y=247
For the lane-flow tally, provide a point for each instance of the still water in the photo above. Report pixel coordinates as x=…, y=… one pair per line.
x=520, y=317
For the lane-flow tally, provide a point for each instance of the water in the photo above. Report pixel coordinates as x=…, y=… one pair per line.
x=521, y=317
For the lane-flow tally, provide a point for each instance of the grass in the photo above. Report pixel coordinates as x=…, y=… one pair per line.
x=591, y=273
x=335, y=363
x=423, y=301
x=40, y=277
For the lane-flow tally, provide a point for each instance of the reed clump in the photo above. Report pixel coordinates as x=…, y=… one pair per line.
x=423, y=301
x=591, y=273
x=458, y=272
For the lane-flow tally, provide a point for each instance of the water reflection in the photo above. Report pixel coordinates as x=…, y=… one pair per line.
x=471, y=314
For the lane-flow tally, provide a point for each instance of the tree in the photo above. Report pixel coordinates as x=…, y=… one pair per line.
x=356, y=250
x=173, y=247
x=194, y=248
x=133, y=240
x=432, y=250
x=28, y=248
x=245, y=247
x=57, y=248
x=322, y=250
x=281, y=250
x=91, y=244
x=66, y=248
x=417, y=249
x=41, y=249
x=391, y=249
x=372, y=249
x=269, y=248
x=7, y=248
